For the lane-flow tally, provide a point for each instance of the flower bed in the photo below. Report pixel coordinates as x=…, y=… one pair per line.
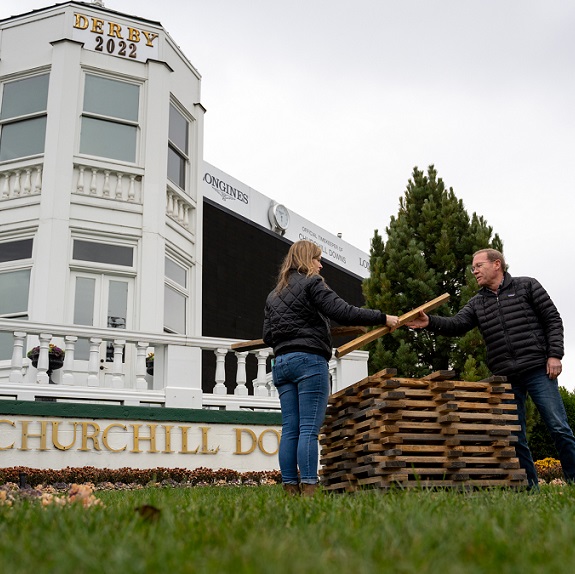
x=32, y=477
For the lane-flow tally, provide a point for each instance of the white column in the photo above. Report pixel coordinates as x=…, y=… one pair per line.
x=49, y=289
x=349, y=370
x=182, y=369
x=153, y=195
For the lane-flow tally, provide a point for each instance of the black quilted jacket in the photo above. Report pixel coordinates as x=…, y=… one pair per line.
x=520, y=325
x=297, y=318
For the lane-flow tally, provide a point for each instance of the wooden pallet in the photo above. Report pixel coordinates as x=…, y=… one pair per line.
x=389, y=431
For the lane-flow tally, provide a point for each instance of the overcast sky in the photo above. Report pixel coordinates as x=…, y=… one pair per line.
x=327, y=106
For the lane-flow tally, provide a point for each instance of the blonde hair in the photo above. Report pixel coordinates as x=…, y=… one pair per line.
x=299, y=258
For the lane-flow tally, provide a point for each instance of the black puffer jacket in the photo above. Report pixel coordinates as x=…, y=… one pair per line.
x=520, y=325
x=297, y=318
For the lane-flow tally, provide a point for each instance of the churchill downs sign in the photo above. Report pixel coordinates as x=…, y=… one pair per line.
x=56, y=442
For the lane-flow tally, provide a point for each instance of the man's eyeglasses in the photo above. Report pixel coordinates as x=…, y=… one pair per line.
x=479, y=265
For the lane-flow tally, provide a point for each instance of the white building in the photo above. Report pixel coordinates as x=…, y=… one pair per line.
x=103, y=250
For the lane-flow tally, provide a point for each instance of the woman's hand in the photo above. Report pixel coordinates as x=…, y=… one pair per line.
x=392, y=322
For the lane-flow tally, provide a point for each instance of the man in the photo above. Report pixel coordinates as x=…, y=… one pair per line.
x=523, y=333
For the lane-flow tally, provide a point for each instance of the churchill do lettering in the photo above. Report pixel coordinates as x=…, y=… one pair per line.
x=118, y=437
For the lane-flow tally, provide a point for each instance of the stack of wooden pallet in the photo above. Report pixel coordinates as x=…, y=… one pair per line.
x=428, y=432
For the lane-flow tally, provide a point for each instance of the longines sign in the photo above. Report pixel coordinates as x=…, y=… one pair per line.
x=224, y=190
x=53, y=442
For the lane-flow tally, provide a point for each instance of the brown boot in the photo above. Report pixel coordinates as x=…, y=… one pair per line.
x=292, y=489
x=308, y=489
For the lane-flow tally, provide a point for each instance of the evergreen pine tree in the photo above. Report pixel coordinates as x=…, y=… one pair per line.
x=428, y=252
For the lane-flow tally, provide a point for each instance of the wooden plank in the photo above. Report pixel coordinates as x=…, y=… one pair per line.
x=362, y=340
x=439, y=376
x=344, y=331
x=249, y=345
x=254, y=344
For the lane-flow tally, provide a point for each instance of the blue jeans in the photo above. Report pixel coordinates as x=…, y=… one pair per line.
x=302, y=381
x=545, y=394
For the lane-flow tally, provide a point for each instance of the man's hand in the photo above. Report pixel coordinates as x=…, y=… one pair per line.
x=420, y=322
x=392, y=322
x=554, y=367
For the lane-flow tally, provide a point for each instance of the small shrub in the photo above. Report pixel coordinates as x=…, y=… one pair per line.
x=549, y=469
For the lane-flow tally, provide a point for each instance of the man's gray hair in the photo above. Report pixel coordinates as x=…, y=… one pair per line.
x=493, y=255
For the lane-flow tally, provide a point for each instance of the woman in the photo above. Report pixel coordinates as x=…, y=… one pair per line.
x=297, y=327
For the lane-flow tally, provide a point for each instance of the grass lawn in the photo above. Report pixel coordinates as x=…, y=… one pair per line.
x=261, y=530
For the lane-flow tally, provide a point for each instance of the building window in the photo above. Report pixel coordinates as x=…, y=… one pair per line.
x=110, y=119
x=178, y=136
x=104, y=301
x=102, y=281
x=103, y=253
x=175, y=297
x=14, y=287
x=23, y=117
x=14, y=290
x=15, y=250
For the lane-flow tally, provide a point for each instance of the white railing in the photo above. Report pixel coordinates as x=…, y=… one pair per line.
x=108, y=366
x=120, y=185
x=179, y=207
x=21, y=181
x=114, y=370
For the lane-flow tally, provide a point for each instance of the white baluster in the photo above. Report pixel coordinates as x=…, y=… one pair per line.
x=27, y=182
x=43, y=359
x=132, y=188
x=94, y=362
x=260, y=389
x=38, y=180
x=141, y=349
x=170, y=204
x=220, y=388
x=16, y=366
x=16, y=190
x=68, y=369
x=106, y=188
x=117, y=366
x=186, y=222
x=6, y=185
x=241, y=377
x=273, y=392
x=80, y=185
x=94, y=182
x=175, y=207
x=119, y=187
